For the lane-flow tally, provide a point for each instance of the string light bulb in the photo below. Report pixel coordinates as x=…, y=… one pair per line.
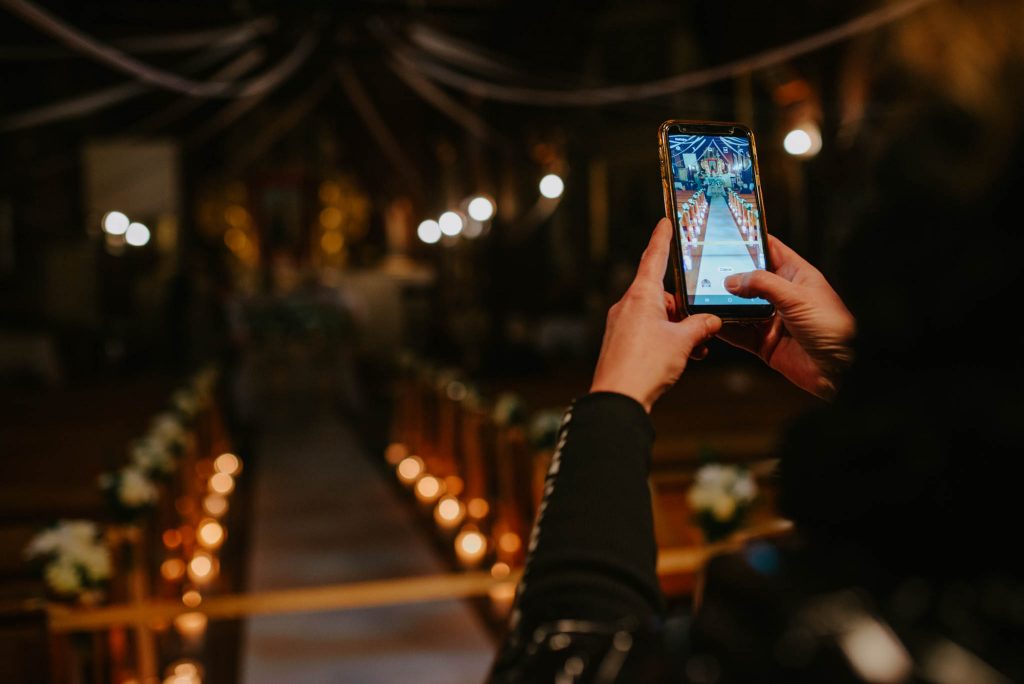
x=450, y=223
x=115, y=223
x=227, y=463
x=552, y=186
x=136, y=235
x=222, y=483
x=480, y=208
x=803, y=141
x=429, y=489
x=429, y=232
x=210, y=533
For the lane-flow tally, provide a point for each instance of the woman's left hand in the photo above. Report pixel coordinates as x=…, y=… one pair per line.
x=645, y=349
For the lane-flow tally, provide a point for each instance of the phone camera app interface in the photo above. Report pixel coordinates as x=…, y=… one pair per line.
x=717, y=215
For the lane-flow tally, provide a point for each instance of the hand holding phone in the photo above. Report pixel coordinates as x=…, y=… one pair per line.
x=713, y=196
x=809, y=339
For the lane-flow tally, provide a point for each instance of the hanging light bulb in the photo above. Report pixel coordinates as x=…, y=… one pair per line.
x=429, y=232
x=450, y=223
x=480, y=208
x=552, y=186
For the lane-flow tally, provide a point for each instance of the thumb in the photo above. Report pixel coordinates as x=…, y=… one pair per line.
x=763, y=284
x=697, y=330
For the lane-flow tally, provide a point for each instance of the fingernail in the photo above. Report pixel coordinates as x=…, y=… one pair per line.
x=733, y=282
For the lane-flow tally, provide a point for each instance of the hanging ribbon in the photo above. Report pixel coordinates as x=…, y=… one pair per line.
x=583, y=97
x=146, y=73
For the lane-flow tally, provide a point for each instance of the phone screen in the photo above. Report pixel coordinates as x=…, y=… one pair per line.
x=718, y=215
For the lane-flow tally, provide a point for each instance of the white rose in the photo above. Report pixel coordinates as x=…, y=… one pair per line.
x=700, y=498
x=136, y=490
x=723, y=508
x=152, y=456
x=44, y=543
x=710, y=475
x=167, y=428
x=95, y=560
x=62, y=576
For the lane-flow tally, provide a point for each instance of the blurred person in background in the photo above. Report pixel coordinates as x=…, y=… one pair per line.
x=904, y=485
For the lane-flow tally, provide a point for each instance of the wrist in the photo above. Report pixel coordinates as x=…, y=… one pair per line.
x=604, y=387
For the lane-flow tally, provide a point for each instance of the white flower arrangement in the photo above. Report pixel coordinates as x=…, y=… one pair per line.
x=186, y=402
x=720, y=497
x=129, y=490
x=167, y=429
x=153, y=457
x=77, y=561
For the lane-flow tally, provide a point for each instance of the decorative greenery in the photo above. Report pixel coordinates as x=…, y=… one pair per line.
x=509, y=409
x=721, y=497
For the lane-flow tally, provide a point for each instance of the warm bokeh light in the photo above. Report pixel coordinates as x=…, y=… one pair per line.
x=202, y=567
x=215, y=504
x=429, y=232
x=192, y=598
x=332, y=243
x=210, y=533
x=222, y=483
x=428, y=489
x=190, y=624
x=502, y=597
x=172, y=569
x=137, y=235
x=115, y=223
x=449, y=512
x=552, y=186
x=478, y=508
x=395, y=452
x=803, y=141
x=330, y=218
x=184, y=672
x=450, y=223
x=509, y=542
x=172, y=538
x=480, y=208
x=227, y=463
x=470, y=547
x=500, y=570
x=453, y=485
x=410, y=469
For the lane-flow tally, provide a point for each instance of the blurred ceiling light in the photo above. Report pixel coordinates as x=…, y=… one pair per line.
x=480, y=208
x=410, y=469
x=552, y=186
x=500, y=570
x=332, y=243
x=227, y=463
x=453, y=485
x=172, y=538
x=803, y=141
x=429, y=232
x=210, y=533
x=470, y=547
x=473, y=229
x=136, y=235
x=222, y=483
x=450, y=223
x=428, y=489
x=449, y=512
x=115, y=223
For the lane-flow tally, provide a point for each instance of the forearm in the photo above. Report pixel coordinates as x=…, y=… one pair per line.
x=592, y=552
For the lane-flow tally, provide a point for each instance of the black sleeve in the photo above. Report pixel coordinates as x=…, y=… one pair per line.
x=592, y=553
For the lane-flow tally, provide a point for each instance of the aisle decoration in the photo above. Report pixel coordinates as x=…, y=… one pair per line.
x=75, y=560
x=721, y=497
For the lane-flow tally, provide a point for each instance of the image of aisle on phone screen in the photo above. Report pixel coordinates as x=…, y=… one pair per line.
x=717, y=214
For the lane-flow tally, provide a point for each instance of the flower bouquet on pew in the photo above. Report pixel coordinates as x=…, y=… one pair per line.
x=721, y=498
x=74, y=559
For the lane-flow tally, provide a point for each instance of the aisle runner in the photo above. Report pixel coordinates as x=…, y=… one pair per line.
x=323, y=514
x=724, y=251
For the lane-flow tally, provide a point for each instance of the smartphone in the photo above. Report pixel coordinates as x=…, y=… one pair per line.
x=713, y=196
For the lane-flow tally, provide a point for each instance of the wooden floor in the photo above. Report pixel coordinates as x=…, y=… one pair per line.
x=323, y=513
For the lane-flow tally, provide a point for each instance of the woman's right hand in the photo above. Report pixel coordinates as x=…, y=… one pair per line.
x=808, y=340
